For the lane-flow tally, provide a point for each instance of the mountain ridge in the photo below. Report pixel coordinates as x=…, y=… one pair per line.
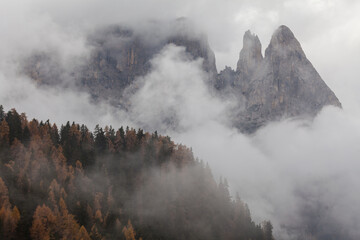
x=282, y=83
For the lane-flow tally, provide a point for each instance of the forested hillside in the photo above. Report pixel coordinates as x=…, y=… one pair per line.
x=71, y=183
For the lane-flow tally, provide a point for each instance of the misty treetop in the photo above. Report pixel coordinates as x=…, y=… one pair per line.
x=71, y=183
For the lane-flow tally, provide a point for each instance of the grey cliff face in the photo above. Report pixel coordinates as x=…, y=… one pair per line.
x=116, y=59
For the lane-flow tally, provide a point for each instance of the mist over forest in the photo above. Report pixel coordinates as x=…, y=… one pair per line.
x=162, y=158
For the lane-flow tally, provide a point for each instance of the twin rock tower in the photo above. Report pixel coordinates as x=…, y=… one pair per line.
x=284, y=83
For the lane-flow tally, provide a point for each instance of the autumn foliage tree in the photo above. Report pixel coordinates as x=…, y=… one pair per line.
x=9, y=217
x=129, y=232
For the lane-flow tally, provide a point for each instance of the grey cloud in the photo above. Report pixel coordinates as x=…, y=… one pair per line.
x=301, y=175
x=175, y=92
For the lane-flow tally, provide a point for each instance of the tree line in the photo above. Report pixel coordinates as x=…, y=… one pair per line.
x=73, y=183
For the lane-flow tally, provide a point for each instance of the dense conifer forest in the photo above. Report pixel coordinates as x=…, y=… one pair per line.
x=68, y=182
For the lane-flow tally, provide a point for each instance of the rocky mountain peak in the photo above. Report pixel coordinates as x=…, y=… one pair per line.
x=251, y=41
x=283, y=34
x=283, y=43
x=285, y=85
x=250, y=54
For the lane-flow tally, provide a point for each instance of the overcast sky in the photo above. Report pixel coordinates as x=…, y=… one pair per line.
x=327, y=29
x=316, y=156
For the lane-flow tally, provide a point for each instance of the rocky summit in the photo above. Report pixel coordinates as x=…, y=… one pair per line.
x=282, y=84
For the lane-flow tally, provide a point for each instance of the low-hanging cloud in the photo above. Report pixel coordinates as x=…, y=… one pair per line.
x=302, y=175
x=57, y=104
x=174, y=96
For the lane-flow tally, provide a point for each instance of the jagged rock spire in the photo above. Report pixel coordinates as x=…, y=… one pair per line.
x=250, y=55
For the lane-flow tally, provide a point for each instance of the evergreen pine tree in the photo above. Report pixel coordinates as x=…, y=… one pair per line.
x=2, y=113
x=14, y=121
